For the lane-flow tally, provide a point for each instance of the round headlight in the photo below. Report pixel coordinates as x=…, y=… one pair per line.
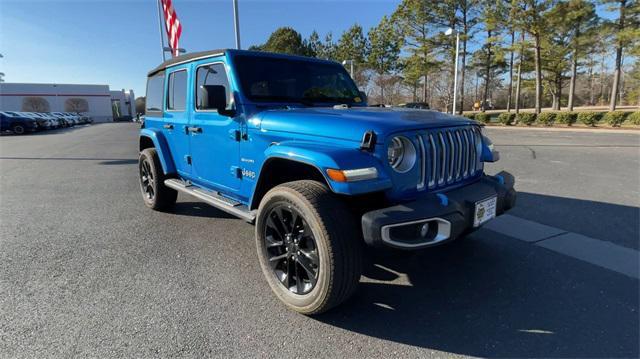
x=401, y=154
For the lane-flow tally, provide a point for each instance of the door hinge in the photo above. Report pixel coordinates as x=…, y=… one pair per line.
x=237, y=135
x=236, y=171
x=187, y=159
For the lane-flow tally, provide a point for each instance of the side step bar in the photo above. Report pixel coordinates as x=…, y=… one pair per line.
x=213, y=198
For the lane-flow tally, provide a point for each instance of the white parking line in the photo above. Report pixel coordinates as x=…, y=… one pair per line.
x=595, y=251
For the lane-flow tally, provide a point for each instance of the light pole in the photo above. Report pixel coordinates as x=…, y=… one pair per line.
x=344, y=63
x=236, y=23
x=455, y=75
x=164, y=58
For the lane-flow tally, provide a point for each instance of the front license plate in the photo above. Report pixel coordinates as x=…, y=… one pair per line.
x=485, y=210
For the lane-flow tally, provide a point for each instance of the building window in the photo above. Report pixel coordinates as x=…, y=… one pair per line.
x=213, y=74
x=75, y=104
x=177, y=97
x=35, y=104
x=155, y=90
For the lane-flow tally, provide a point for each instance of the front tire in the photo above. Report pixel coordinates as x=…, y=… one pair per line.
x=18, y=129
x=308, y=246
x=154, y=193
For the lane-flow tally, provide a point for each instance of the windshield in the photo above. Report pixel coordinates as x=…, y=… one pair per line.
x=265, y=79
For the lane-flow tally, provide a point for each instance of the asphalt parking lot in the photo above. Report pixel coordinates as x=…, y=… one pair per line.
x=87, y=270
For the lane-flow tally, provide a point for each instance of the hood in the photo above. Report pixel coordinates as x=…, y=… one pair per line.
x=352, y=123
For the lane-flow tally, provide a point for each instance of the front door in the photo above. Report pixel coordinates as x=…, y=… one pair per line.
x=215, y=147
x=176, y=119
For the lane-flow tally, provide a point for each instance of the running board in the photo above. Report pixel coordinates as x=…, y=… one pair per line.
x=213, y=198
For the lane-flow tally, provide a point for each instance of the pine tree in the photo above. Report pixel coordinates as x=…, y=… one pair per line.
x=353, y=45
x=626, y=30
x=384, y=51
x=415, y=23
x=285, y=40
x=469, y=18
x=531, y=18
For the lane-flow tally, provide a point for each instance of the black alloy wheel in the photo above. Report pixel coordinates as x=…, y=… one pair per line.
x=308, y=246
x=155, y=193
x=291, y=248
x=146, y=180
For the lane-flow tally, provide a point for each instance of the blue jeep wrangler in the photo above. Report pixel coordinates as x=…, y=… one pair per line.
x=288, y=143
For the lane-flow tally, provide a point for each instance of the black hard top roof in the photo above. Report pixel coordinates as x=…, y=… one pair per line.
x=186, y=58
x=212, y=53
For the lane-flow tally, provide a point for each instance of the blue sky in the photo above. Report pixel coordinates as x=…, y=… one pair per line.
x=116, y=42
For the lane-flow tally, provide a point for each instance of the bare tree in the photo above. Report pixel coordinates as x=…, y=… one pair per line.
x=35, y=104
x=75, y=104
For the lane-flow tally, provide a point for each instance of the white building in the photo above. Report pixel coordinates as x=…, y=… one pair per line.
x=96, y=101
x=123, y=103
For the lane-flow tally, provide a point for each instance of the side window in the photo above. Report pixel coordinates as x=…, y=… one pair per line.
x=155, y=88
x=177, y=96
x=213, y=74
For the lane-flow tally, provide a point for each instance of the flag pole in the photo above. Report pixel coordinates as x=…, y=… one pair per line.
x=160, y=28
x=236, y=23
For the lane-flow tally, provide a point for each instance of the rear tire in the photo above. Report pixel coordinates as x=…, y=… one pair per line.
x=154, y=192
x=326, y=237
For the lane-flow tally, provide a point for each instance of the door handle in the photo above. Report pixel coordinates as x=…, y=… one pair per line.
x=194, y=129
x=168, y=126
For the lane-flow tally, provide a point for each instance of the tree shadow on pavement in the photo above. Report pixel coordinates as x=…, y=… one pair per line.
x=493, y=296
x=119, y=162
x=607, y=221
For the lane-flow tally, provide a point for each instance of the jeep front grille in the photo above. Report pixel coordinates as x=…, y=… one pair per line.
x=448, y=156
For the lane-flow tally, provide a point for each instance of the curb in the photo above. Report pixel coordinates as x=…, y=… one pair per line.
x=568, y=129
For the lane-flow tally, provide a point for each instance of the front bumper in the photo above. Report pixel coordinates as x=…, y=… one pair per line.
x=444, y=216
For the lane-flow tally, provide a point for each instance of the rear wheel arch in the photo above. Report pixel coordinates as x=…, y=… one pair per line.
x=278, y=170
x=146, y=142
x=149, y=139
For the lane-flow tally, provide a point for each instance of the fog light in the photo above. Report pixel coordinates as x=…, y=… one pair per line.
x=424, y=231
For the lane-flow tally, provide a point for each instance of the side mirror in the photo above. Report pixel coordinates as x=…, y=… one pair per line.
x=214, y=97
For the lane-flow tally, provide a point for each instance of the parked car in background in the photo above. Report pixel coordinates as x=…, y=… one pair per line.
x=61, y=119
x=57, y=123
x=77, y=117
x=54, y=121
x=70, y=120
x=44, y=123
x=84, y=118
x=126, y=118
x=42, y=120
x=17, y=123
x=418, y=105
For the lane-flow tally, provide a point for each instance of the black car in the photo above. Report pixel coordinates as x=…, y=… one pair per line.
x=418, y=105
x=17, y=123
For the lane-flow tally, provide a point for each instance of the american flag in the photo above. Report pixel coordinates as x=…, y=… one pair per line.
x=172, y=24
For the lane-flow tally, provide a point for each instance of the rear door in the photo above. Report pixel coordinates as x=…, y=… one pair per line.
x=176, y=118
x=215, y=145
